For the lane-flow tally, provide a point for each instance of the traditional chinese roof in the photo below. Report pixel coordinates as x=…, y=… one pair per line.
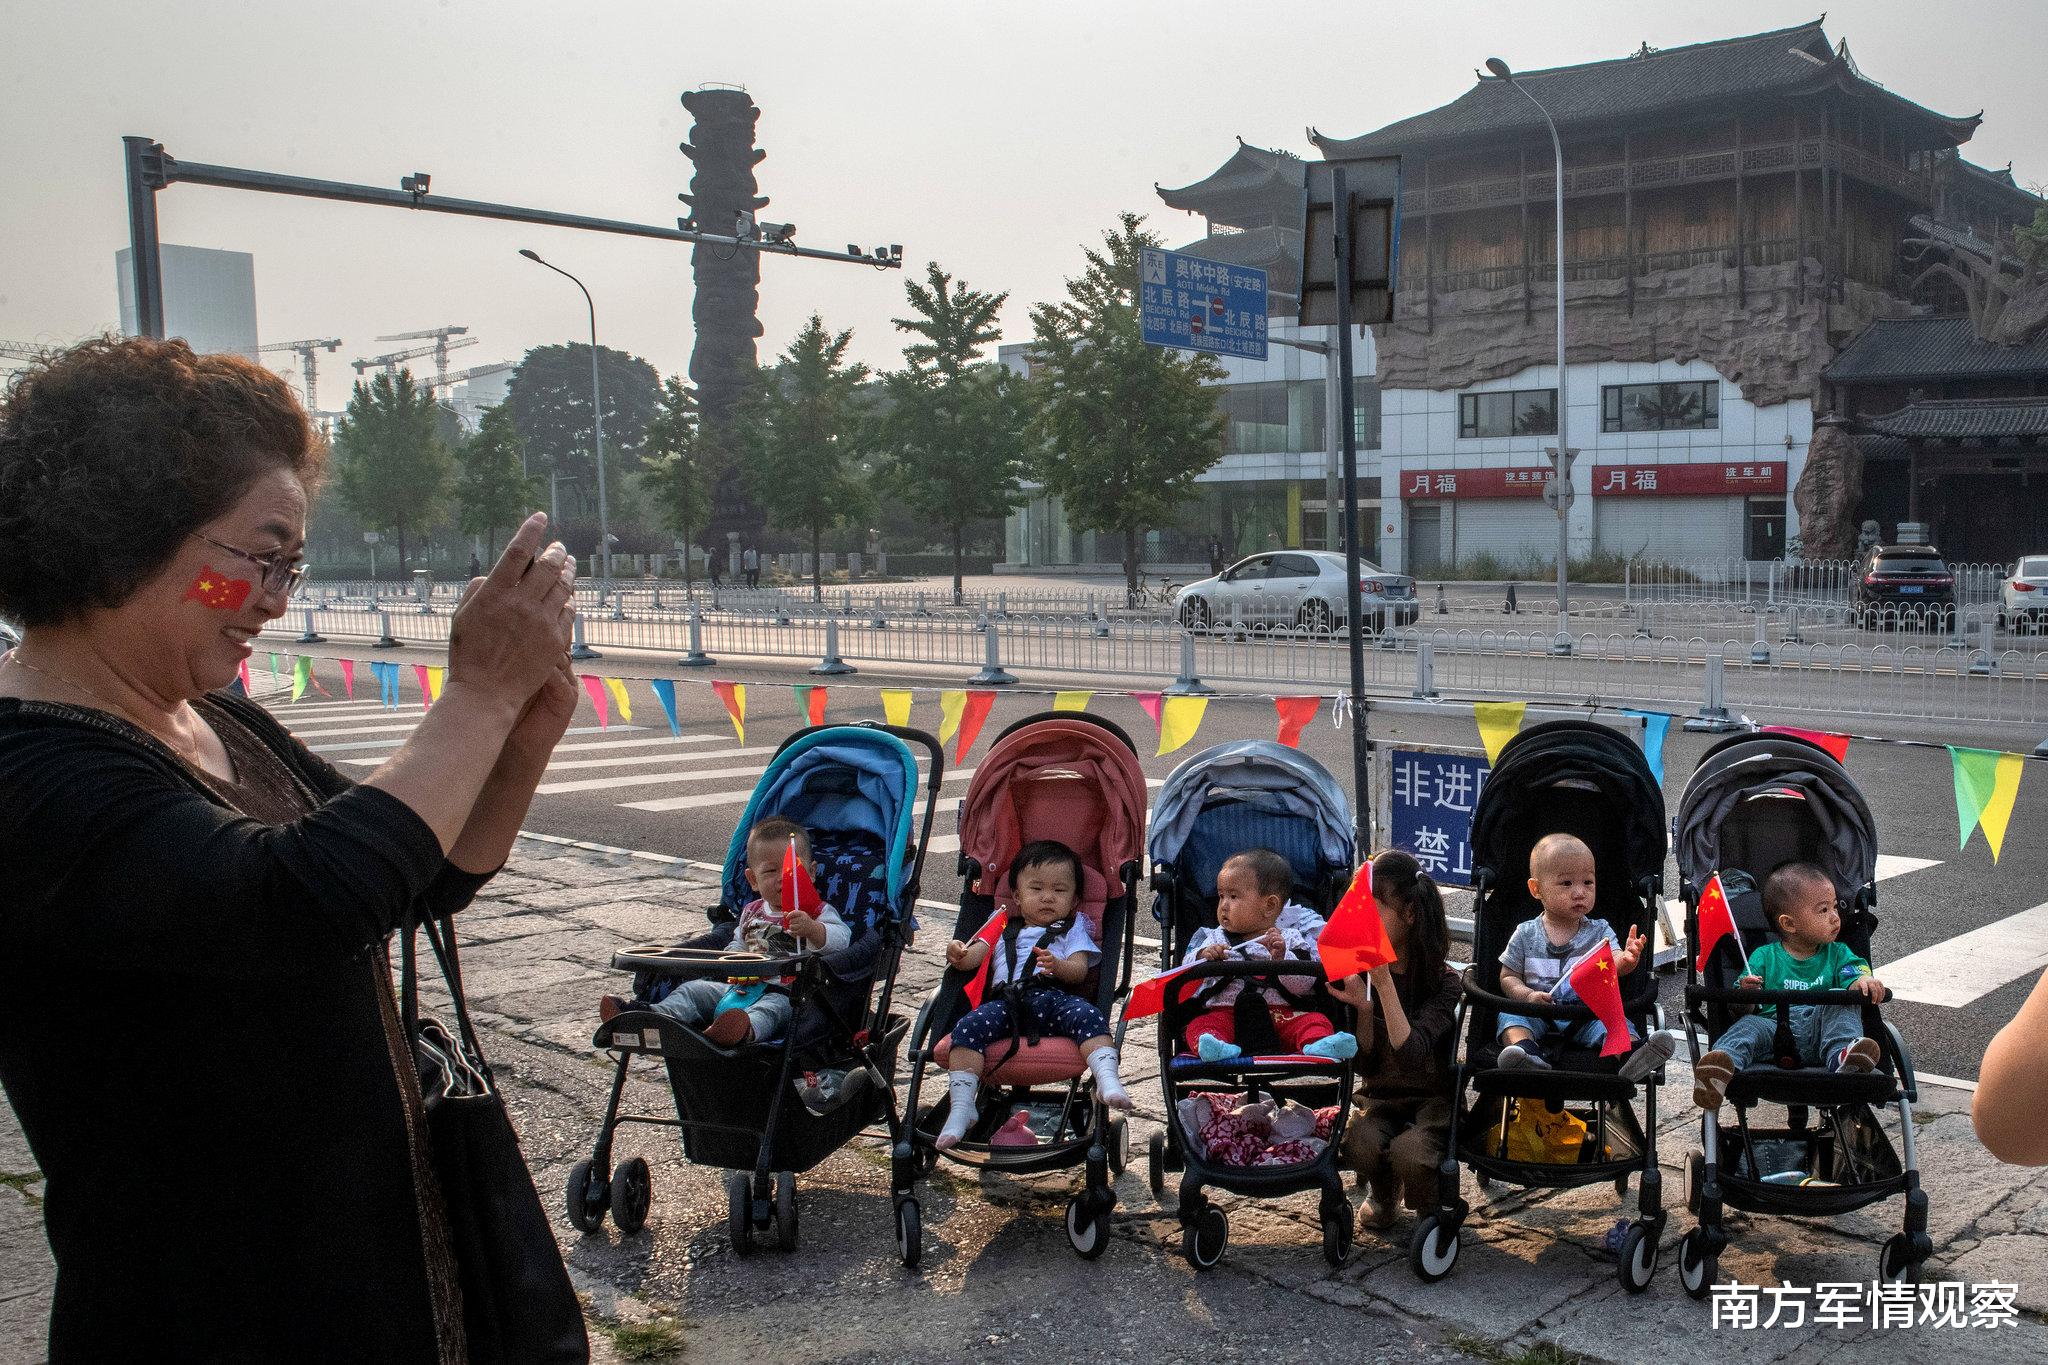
x=1898, y=350
x=1965, y=419
x=1999, y=182
x=1256, y=187
x=1650, y=85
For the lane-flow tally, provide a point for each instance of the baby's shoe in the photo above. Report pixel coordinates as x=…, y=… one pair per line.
x=1710, y=1077
x=1214, y=1049
x=610, y=1007
x=1335, y=1046
x=730, y=1028
x=1860, y=1056
x=1522, y=1057
x=1016, y=1133
x=1653, y=1053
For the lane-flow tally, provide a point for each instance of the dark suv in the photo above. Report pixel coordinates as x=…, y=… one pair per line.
x=1903, y=583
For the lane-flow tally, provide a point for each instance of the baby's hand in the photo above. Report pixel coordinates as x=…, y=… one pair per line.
x=1351, y=990
x=1539, y=997
x=956, y=955
x=1752, y=982
x=1215, y=952
x=1274, y=941
x=801, y=923
x=1632, y=952
x=1868, y=986
x=1042, y=960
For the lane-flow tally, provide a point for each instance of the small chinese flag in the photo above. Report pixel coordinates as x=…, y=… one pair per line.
x=1717, y=922
x=1598, y=986
x=1355, y=940
x=977, y=987
x=215, y=589
x=1149, y=997
x=799, y=892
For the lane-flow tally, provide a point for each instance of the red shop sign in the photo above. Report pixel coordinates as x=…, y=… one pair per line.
x=1687, y=480
x=1474, y=483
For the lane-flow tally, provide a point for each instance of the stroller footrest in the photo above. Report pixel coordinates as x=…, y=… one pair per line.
x=645, y=1031
x=1556, y=1085
x=1811, y=1085
x=1191, y=1067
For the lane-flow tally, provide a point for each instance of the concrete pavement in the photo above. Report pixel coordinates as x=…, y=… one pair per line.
x=999, y=1281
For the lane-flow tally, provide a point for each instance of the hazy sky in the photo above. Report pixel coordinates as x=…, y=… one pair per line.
x=996, y=138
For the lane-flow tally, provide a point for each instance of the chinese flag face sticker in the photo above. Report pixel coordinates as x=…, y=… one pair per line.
x=215, y=589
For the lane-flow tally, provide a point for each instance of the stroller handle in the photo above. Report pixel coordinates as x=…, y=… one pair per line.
x=690, y=962
x=1535, y=1009
x=1732, y=995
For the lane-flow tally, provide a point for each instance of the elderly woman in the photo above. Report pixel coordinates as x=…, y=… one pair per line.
x=197, y=1027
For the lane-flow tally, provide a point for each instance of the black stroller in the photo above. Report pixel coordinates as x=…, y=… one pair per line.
x=1584, y=779
x=854, y=789
x=1222, y=801
x=1755, y=803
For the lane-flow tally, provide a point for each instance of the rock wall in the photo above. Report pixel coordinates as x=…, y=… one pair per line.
x=1773, y=346
x=1829, y=491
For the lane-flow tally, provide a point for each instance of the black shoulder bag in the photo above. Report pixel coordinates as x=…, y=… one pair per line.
x=517, y=1303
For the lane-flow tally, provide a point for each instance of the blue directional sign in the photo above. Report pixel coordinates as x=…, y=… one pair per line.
x=1430, y=800
x=1197, y=305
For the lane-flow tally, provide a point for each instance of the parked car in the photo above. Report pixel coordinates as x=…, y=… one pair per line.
x=1897, y=584
x=2023, y=596
x=1298, y=590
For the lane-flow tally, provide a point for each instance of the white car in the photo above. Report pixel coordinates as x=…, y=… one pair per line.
x=2023, y=596
x=1298, y=590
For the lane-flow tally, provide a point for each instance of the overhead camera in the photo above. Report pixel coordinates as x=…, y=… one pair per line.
x=416, y=184
x=778, y=234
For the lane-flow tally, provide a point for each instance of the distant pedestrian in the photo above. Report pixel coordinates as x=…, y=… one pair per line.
x=751, y=562
x=711, y=562
x=476, y=565
x=1215, y=555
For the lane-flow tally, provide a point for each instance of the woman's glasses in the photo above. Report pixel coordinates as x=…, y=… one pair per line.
x=279, y=571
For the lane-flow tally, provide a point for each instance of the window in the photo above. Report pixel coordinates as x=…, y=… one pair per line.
x=1280, y=416
x=1509, y=412
x=1694, y=404
x=1247, y=570
x=1365, y=414
x=1292, y=566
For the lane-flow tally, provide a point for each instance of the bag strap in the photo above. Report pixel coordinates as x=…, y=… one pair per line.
x=441, y=939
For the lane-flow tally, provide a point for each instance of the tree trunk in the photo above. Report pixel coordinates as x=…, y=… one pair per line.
x=686, y=564
x=817, y=564
x=1131, y=560
x=401, y=554
x=959, y=537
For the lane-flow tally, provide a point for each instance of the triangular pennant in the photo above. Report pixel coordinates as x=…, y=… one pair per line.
x=1295, y=713
x=426, y=692
x=1987, y=785
x=1656, y=725
x=302, y=673
x=810, y=699
x=1179, y=721
x=242, y=670
x=734, y=695
x=1071, y=701
x=622, y=703
x=665, y=693
x=275, y=667
x=1355, y=938
x=1835, y=744
x=951, y=705
x=594, y=686
x=1151, y=702
x=978, y=704
x=348, y=678
x=896, y=705
x=434, y=677
x=1498, y=722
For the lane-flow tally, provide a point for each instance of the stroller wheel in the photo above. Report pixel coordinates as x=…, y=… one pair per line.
x=785, y=1211
x=1896, y=1264
x=1203, y=1240
x=1119, y=1144
x=909, y=1233
x=1696, y=1263
x=1434, y=1249
x=585, y=1206
x=1638, y=1258
x=1695, y=1178
x=1155, y=1164
x=632, y=1192
x=739, y=1212
x=1086, y=1230
x=1337, y=1235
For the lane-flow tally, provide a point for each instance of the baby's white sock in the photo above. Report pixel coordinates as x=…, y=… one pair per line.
x=961, y=1087
x=1108, y=1084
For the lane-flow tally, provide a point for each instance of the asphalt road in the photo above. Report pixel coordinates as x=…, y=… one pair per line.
x=1949, y=913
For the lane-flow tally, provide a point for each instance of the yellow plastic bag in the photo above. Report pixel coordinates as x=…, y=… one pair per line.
x=1540, y=1135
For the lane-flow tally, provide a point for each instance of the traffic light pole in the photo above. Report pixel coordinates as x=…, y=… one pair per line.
x=1354, y=597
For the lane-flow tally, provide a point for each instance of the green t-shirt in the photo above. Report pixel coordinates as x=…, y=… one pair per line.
x=1833, y=968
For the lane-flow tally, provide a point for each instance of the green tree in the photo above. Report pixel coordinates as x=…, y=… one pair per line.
x=957, y=429
x=675, y=465
x=392, y=468
x=1125, y=428
x=492, y=487
x=549, y=398
x=801, y=430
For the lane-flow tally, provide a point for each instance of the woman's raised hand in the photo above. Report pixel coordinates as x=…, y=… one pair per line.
x=513, y=627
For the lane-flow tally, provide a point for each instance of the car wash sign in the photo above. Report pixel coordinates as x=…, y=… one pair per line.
x=1431, y=793
x=1197, y=305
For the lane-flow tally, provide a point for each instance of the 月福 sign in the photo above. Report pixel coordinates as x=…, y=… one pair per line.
x=1687, y=480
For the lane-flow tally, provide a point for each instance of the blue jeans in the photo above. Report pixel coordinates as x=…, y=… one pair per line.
x=1821, y=1032
x=692, y=1002
x=1583, y=1032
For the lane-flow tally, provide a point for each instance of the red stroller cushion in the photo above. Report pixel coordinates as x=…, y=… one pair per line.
x=1040, y=1063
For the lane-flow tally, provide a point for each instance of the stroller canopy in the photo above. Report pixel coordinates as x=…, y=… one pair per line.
x=844, y=780
x=1821, y=815
x=1565, y=765
x=1286, y=800
x=1060, y=776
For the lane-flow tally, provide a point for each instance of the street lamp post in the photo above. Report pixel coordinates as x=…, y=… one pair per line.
x=1563, y=462
x=604, y=530
x=1333, y=507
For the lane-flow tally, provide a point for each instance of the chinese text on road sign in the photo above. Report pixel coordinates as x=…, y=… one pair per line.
x=1431, y=797
x=1201, y=305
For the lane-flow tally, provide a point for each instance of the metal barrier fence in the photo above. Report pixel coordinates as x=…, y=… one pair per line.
x=1972, y=679
x=1768, y=584
x=658, y=595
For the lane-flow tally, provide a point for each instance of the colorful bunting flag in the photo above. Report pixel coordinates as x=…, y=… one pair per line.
x=1597, y=985
x=1987, y=784
x=1071, y=701
x=242, y=675
x=594, y=686
x=1151, y=702
x=975, y=712
x=1656, y=725
x=810, y=699
x=434, y=677
x=302, y=675
x=988, y=933
x=348, y=678
x=951, y=705
x=1498, y=723
x=665, y=693
x=387, y=683
x=624, y=703
x=1355, y=938
x=1295, y=714
x=273, y=670
x=896, y=705
x=1179, y=720
x=1717, y=922
x=734, y=695
x=1837, y=745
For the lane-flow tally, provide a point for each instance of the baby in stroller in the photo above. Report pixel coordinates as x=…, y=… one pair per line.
x=1800, y=899
x=1256, y=921
x=1044, y=949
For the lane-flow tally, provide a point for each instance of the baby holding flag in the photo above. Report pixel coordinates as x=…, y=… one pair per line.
x=1557, y=956
x=1808, y=956
x=1255, y=920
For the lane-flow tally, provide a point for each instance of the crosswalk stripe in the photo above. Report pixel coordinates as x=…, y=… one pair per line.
x=314, y=708
x=1957, y=971
x=337, y=731
x=594, y=784
x=559, y=765
x=356, y=746
x=1896, y=865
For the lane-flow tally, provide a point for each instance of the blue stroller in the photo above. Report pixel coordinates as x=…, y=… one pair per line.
x=1224, y=800
x=854, y=788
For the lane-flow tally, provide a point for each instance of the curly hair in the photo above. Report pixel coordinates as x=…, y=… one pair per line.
x=113, y=451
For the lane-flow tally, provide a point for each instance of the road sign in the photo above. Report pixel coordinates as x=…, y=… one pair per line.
x=1431, y=792
x=1374, y=188
x=371, y=537
x=1197, y=305
x=1550, y=492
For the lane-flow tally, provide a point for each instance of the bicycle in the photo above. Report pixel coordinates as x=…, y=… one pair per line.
x=1153, y=591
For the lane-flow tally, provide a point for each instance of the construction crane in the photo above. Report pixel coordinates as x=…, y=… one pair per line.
x=441, y=347
x=473, y=372
x=390, y=363
x=21, y=350
x=309, y=365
